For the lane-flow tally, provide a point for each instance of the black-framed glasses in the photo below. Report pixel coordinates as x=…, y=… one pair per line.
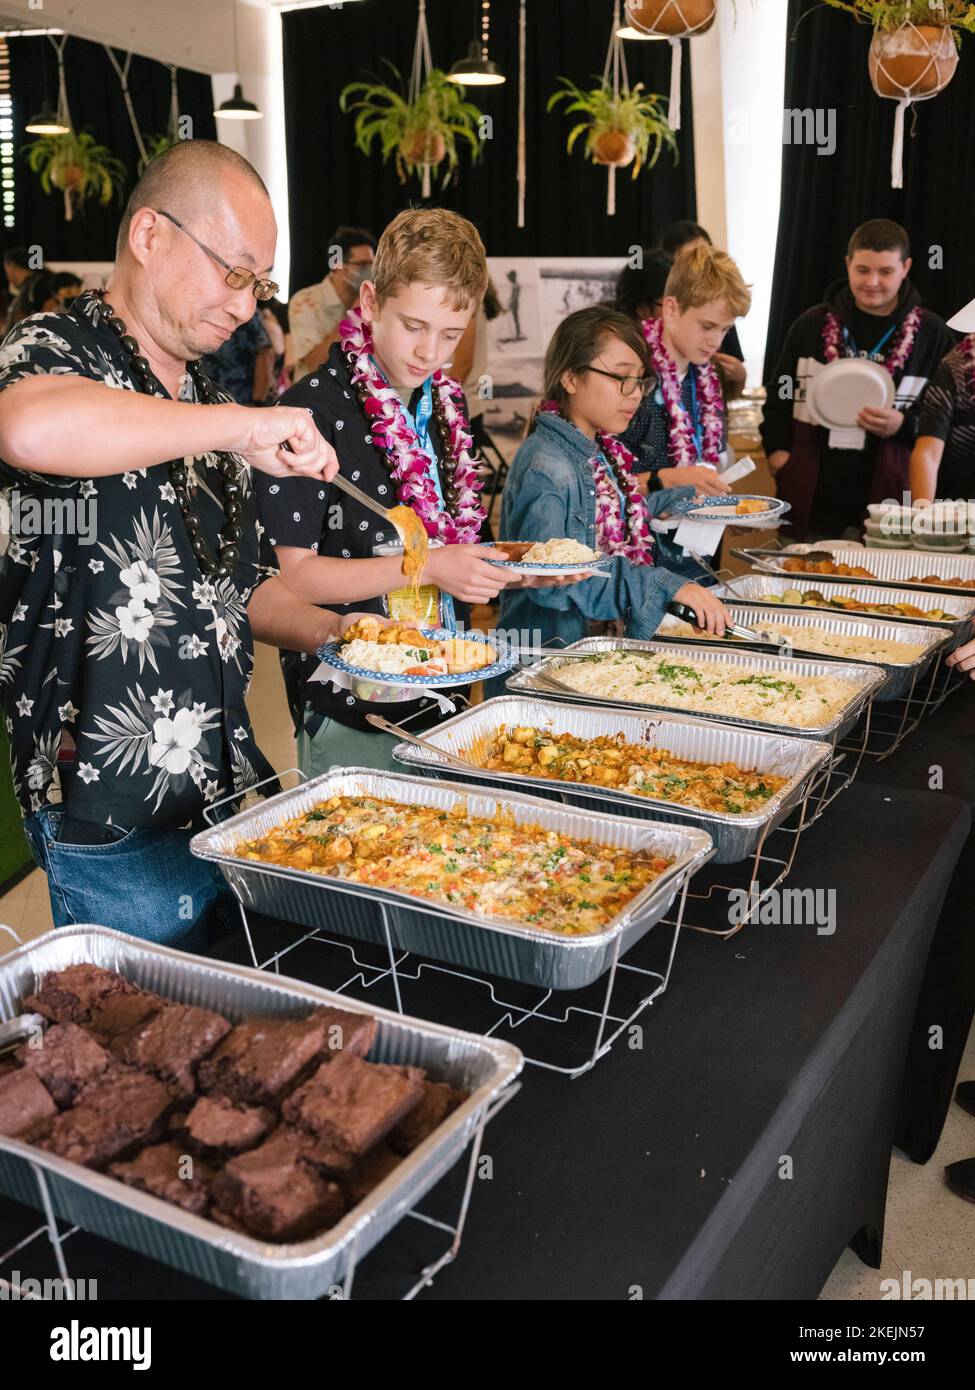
x=238, y=277
x=628, y=384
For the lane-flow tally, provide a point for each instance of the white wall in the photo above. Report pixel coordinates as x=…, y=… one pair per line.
x=738, y=147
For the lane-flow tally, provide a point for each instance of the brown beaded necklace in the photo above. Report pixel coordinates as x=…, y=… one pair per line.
x=228, y=551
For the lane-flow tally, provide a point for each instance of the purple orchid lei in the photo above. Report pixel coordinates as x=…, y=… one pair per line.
x=681, y=444
x=629, y=535
x=409, y=464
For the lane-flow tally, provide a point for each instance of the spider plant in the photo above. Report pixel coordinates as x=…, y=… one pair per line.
x=420, y=134
x=78, y=166
x=620, y=128
x=891, y=14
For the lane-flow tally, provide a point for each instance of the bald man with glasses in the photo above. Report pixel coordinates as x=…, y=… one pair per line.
x=128, y=612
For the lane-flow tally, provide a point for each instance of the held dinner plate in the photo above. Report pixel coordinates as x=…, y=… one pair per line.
x=600, y=565
x=836, y=394
x=507, y=660
x=707, y=509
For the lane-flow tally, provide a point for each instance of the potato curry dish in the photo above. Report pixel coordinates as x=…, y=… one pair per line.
x=637, y=768
x=492, y=867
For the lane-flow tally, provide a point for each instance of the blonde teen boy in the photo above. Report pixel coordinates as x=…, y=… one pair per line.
x=399, y=427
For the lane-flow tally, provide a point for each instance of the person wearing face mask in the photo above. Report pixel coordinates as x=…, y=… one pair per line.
x=874, y=311
x=315, y=313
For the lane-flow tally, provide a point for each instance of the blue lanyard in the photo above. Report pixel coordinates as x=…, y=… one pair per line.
x=696, y=416
x=611, y=474
x=421, y=426
x=874, y=352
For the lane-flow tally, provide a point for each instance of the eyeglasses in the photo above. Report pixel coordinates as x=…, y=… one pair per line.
x=238, y=277
x=628, y=384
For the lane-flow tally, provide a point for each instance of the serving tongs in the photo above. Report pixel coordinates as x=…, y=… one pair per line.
x=408, y=736
x=735, y=630
x=18, y=1030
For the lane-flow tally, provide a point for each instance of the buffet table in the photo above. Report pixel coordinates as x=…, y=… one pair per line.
x=736, y=1152
x=946, y=740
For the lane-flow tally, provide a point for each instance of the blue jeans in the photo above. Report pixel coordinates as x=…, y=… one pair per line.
x=146, y=883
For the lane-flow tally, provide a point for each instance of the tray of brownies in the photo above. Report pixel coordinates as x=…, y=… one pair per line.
x=250, y=1130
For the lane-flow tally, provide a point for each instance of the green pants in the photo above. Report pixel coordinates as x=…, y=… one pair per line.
x=336, y=745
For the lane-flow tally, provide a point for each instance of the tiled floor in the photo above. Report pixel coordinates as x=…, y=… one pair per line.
x=930, y=1232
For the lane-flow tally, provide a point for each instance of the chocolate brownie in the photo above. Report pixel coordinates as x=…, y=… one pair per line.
x=274, y=1194
x=261, y=1058
x=369, y=1172
x=172, y=1041
x=72, y=995
x=216, y=1125
x=119, y=1110
x=65, y=1058
x=24, y=1103
x=354, y=1103
x=121, y=1014
x=167, y=1171
x=437, y=1102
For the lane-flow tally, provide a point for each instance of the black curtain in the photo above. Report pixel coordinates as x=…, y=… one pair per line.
x=95, y=99
x=824, y=197
x=331, y=182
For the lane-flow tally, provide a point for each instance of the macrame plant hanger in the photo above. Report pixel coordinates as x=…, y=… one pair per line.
x=122, y=70
x=422, y=67
x=64, y=113
x=615, y=75
x=939, y=62
x=522, y=175
x=671, y=18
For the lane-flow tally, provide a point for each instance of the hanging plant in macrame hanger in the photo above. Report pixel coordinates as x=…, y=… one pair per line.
x=673, y=20
x=422, y=129
x=913, y=54
x=623, y=125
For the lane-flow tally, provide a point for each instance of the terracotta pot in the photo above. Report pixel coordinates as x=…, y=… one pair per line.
x=614, y=147
x=66, y=175
x=671, y=17
x=423, y=147
x=912, y=60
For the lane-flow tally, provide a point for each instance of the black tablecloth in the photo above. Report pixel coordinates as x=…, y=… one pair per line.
x=940, y=754
x=743, y=1146
x=658, y=1171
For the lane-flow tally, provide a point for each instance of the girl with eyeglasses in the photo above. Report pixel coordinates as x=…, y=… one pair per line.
x=572, y=478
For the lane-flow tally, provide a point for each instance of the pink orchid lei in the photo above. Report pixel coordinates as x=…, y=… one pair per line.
x=681, y=444
x=898, y=351
x=409, y=464
x=629, y=536
x=968, y=352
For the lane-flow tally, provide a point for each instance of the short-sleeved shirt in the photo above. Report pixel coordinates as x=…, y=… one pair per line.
x=109, y=631
x=313, y=314
x=232, y=365
x=948, y=413
x=308, y=514
x=648, y=434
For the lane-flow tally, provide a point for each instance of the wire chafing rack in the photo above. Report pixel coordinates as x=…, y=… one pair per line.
x=565, y=1023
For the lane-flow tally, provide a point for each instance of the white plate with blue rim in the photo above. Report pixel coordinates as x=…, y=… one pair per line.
x=727, y=513
x=507, y=659
x=601, y=564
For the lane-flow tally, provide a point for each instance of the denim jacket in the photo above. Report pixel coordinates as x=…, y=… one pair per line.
x=550, y=493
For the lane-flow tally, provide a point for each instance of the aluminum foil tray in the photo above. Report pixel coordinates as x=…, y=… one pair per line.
x=538, y=680
x=754, y=588
x=902, y=676
x=241, y=1264
x=492, y=945
x=735, y=837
